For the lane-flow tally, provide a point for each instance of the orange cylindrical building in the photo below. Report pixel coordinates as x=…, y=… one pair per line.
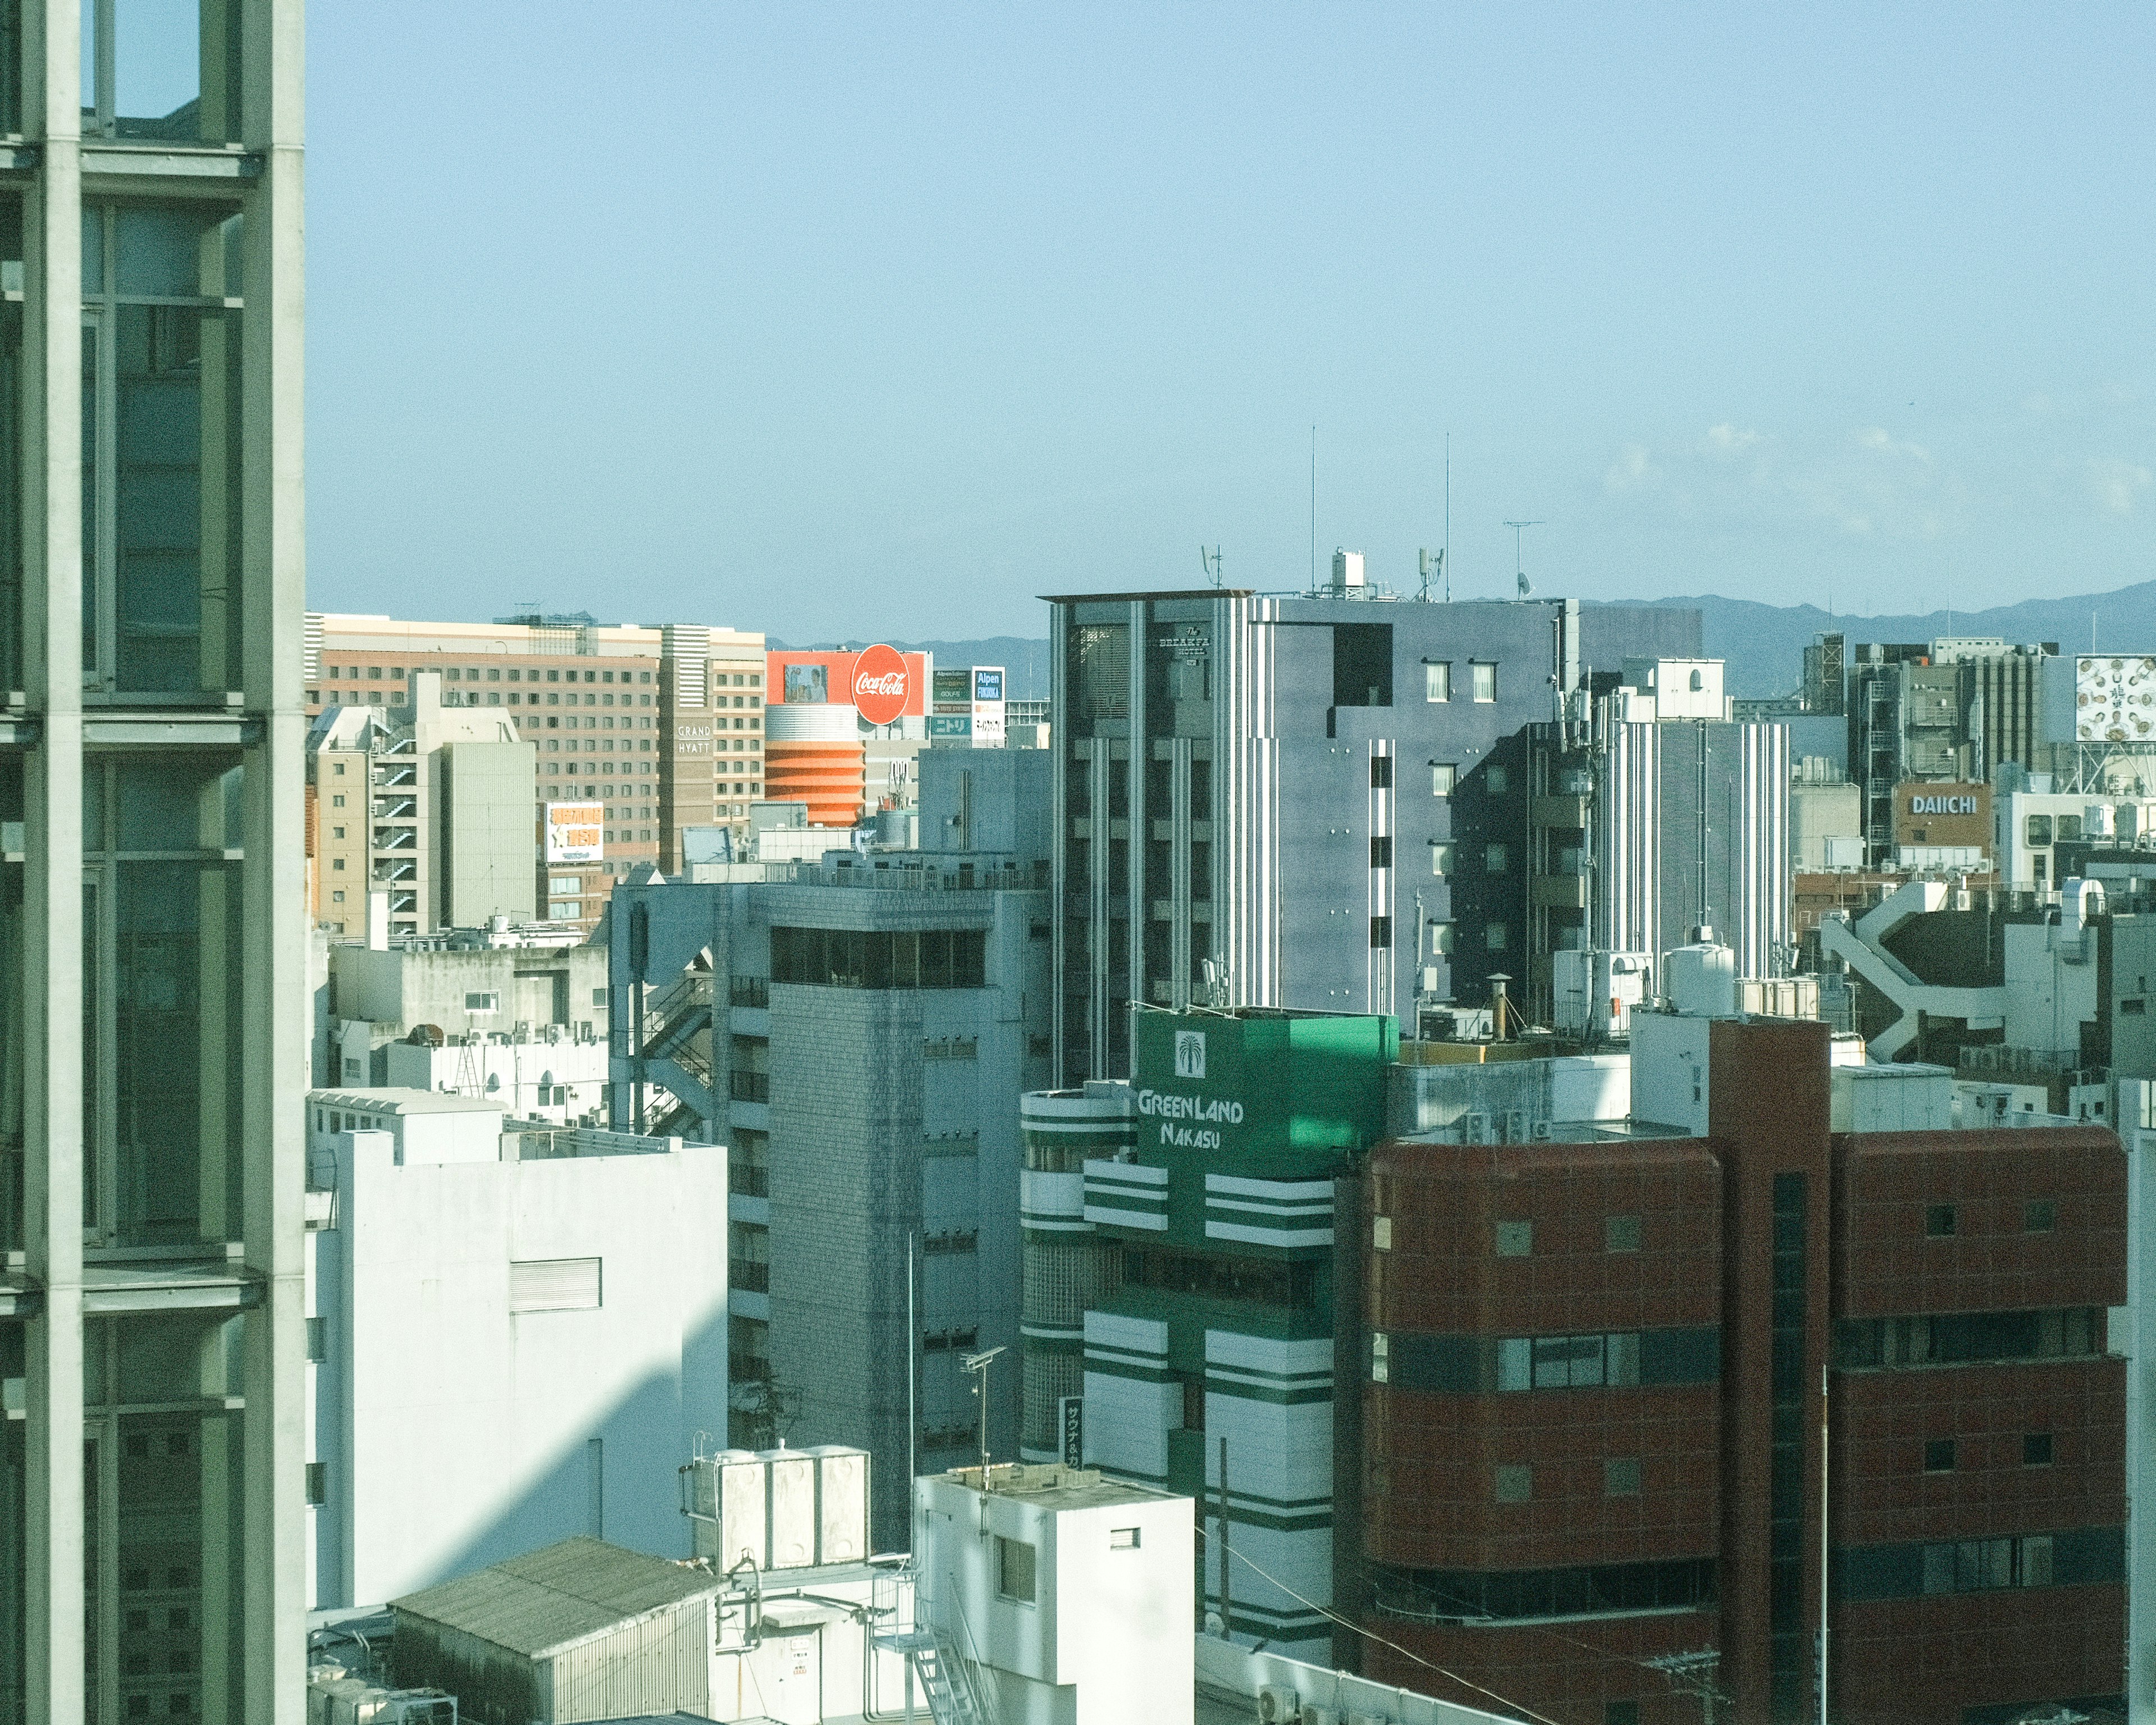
x=812, y=753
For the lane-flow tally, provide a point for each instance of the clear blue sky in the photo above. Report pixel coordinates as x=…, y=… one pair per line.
x=880, y=320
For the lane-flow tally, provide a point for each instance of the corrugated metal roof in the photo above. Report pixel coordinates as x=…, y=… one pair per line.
x=549, y=1599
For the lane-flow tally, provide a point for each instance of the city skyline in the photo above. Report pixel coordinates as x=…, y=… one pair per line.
x=1837, y=310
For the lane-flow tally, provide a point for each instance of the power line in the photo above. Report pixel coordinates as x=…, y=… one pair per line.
x=1520, y=1707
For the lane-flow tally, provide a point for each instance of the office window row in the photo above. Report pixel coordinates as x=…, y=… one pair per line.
x=1470, y=1364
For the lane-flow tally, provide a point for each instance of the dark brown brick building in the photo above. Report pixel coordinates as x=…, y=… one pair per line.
x=1592, y=1427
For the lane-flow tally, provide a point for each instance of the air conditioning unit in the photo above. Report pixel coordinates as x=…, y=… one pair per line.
x=1474, y=1128
x=1541, y=1129
x=1277, y=1705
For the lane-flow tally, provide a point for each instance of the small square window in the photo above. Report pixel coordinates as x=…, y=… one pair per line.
x=1440, y=939
x=1939, y=1456
x=1381, y=1234
x=1620, y=1234
x=1620, y=1477
x=1939, y=1221
x=1123, y=1539
x=1516, y=1483
x=1485, y=681
x=2040, y=1215
x=2036, y=1449
x=1440, y=858
x=1014, y=1569
x=1381, y=765
x=1496, y=782
x=1496, y=859
x=1444, y=777
x=1495, y=937
x=1437, y=682
x=1515, y=1240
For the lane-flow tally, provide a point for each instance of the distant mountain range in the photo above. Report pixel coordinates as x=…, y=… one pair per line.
x=1762, y=643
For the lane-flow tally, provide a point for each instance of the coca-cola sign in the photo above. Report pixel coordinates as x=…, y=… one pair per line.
x=881, y=684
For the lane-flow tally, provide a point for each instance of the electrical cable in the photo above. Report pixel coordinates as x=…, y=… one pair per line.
x=1520, y=1707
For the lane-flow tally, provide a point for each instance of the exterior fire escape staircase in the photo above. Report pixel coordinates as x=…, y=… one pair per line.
x=676, y=1051
x=950, y=1683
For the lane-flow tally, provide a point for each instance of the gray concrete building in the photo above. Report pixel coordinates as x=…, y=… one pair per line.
x=1318, y=802
x=858, y=1031
x=152, y=1469
x=1953, y=710
x=1655, y=815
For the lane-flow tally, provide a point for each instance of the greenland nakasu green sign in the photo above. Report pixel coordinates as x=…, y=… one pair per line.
x=1270, y=1093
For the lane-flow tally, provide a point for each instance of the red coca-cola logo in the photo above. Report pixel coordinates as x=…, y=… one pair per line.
x=881, y=684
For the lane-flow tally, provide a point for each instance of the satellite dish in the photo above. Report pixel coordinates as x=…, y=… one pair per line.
x=1527, y=586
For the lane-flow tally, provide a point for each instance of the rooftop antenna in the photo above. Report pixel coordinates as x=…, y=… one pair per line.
x=1210, y=560
x=1519, y=572
x=1448, y=514
x=978, y=1365
x=1432, y=567
x=1313, y=508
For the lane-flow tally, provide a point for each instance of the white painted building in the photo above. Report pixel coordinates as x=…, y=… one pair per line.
x=1072, y=1591
x=516, y=1332
x=552, y=1075
x=2028, y=824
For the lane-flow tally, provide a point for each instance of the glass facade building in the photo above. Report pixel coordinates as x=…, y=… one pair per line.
x=153, y=905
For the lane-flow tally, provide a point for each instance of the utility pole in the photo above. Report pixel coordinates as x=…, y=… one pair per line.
x=1692, y=1674
x=1227, y=1611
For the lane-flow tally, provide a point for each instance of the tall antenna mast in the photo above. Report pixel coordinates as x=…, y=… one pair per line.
x=1519, y=569
x=1446, y=553
x=1313, y=508
x=978, y=1365
x=1210, y=560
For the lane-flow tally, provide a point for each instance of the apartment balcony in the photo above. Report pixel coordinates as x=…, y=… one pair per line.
x=386, y=839
x=1569, y=813
x=390, y=870
x=1559, y=892
x=397, y=809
